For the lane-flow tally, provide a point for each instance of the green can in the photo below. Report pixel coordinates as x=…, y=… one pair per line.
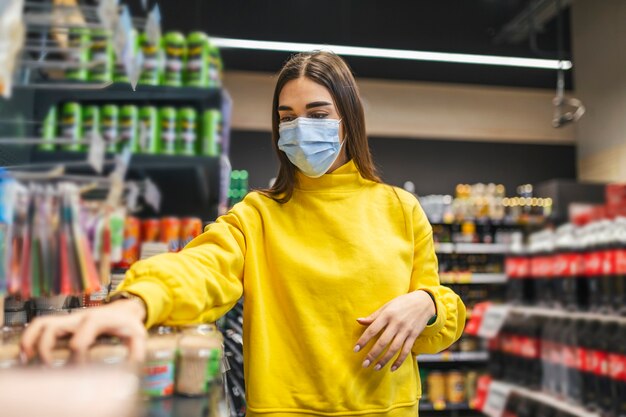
x=197, y=66
x=78, y=39
x=91, y=120
x=119, y=71
x=215, y=67
x=72, y=126
x=211, y=133
x=153, y=58
x=174, y=45
x=149, y=130
x=129, y=128
x=187, y=130
x=109, y=114
x=167, y=117
x=243, y=186
x=102, y=50
x=49, y=130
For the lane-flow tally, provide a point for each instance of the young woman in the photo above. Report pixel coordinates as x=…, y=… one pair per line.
x=337, y=270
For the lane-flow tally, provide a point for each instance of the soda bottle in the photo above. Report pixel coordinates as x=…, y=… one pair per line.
x=603, y=346
x=607, y=278
x=109, y=117
x=617, y=367
x=587, y=341
x=562, y=280
x=573, y=377
x=593, y=264
x=619, y=292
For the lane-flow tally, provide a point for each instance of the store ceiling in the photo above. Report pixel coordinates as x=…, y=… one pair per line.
x=462, y=26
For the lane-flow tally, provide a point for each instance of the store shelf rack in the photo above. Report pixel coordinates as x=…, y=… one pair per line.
x=471, y=248
x=471, y=278
x=556, y=313
x=478, y=356
x=554, y=402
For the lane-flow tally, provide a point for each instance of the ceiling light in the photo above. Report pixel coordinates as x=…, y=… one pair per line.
x=508, y=61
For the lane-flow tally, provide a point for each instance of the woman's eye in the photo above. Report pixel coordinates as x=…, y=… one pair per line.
x=319, y=116
x=286, y=119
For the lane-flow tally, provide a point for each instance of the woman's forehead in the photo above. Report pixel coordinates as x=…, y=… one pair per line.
x=301, y=91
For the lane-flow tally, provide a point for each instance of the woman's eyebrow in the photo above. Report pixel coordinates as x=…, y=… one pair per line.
x=318, y=104
x=284, y=108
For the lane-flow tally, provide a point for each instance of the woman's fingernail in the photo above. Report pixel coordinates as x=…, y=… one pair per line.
x=393, y=368
x=366, y=363
x=357, y=348
x=377, y=367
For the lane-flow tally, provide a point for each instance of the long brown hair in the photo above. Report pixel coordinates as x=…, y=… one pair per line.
x=332, y=72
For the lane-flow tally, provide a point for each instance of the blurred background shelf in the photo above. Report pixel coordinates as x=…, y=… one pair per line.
x=454, y=357
x=470, y=278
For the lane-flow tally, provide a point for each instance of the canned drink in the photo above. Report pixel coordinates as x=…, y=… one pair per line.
x=436, y=384
x=170, y=233
x=102, y=50
x=153, y=57
x=455, y=387
x=109, y=115
x=150, y=230
x=215, y=67
x=167, y=117
x=78, y=39
x=198, y=60
x=131, y=245
x=471, y=384
x=129, y=128
x=72, y=125
x=149, y=130
x=212, y=132
x=91, y=120
x=49, y=130
x=174, y=44
x=190, y=228
x=187, y=130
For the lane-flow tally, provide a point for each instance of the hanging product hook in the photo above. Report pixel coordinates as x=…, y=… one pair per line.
x=562, y=117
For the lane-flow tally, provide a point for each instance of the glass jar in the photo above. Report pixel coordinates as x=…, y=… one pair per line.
x=159, y=367
x=199, y=364
x=9, y=355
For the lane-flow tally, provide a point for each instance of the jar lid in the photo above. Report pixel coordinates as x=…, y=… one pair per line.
x=108, y=354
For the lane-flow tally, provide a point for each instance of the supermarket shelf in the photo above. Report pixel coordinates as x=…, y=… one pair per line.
x=454, y=357
x=445, y=407
x=557, y=313
x=470, y=278
x=551, y=401
x=471, y=248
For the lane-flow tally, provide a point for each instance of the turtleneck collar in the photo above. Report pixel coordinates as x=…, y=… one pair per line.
x=344, y=178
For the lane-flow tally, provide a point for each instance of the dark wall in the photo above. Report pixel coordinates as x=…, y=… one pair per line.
x=435, y=166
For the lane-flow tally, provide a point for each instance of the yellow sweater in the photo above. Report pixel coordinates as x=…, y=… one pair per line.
x=339, y=249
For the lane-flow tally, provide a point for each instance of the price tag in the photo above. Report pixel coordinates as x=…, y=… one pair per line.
x=476, y=318
x=152, y=195
x=497, y=398
x=493, y=319
x=132, y=197
x=153, y=25
x=97, y=148
x=122, y=33
x=107, y=13
x=134, y=72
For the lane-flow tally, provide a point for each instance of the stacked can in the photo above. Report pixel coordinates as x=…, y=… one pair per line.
x=187, y=130
x=78, y=41
x=174, y=45
x=150, y=230
x=198, y=60
x=190, y=228
x=151, y=71
x=170, y=233
x=168, y=116
x=149, y=130
x=211, y=133
x=102, y=51
x=132, y=242
x=91, y=120
x=238, y=186
x=110, y=126
x=49, y=130
x=71, y=126
x=129, y=128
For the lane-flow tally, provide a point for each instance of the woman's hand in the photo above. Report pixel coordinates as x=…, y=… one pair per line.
x=123, y=319
x=401, y=321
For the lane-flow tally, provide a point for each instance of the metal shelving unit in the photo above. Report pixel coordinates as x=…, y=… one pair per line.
x=471, y=278
x=478, y=356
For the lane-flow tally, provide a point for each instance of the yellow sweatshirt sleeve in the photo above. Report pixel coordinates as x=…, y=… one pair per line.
x=198, y=284
x=450, y=309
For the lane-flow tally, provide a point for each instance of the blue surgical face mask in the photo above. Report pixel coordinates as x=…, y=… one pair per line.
x=312, y=145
